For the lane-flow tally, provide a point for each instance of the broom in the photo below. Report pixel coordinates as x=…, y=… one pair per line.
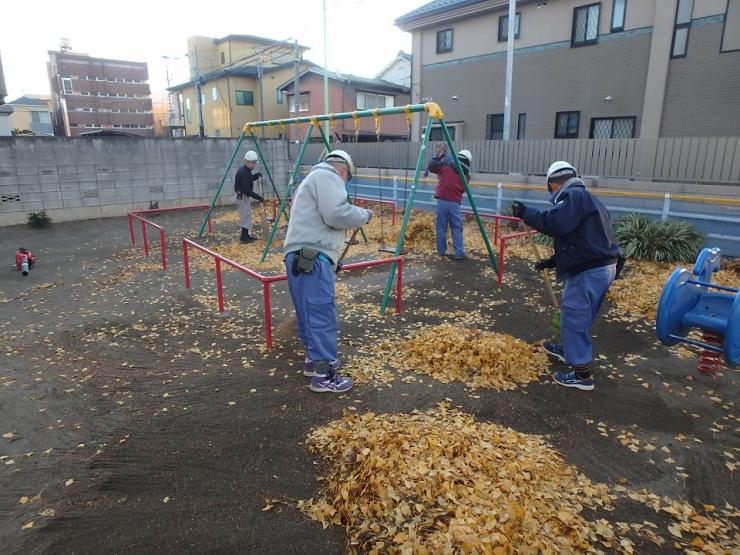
x=286, y=328
x=555, y=320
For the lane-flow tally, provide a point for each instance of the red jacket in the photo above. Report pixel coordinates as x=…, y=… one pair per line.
x=450, y=185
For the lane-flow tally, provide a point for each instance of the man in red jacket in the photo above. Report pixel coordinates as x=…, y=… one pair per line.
x=450, y=189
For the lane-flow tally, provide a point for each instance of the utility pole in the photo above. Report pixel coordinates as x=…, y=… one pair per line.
x=509, y=69
x=262, y=98
x=199, y=92
x=326, y=76
x=296, y=77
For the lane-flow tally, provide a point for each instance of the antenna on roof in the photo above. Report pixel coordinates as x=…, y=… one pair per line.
x=65, y=45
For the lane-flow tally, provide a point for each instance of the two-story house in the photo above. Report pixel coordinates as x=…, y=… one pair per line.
x=234, y=80
x=32, y=113
x=608, y=69
x=348, y=93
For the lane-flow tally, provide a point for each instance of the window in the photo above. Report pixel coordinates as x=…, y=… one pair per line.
x=436, y=133
x=223, y=57
x=613, y=128
x=303, y=107
x=202, y=99
x=85, y=93
x=67, y=85
x=188, y=111
x=444, y=41
x=503, y=27
x=244, y=98
x=566, y=125
x=279, y=98
x=684, y=10
x=100, y=78
x=368, y=101
x=521, y=127
x=619, y=8
x=494, y=127
x=214, y=93
x=585, y=25
x=731, y=31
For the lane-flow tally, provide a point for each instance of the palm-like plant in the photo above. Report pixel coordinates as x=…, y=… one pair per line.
x=671, y=241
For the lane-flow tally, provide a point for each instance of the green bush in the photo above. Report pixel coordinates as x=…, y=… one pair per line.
x=670, y=241
x=543, y=239
x=39, y=219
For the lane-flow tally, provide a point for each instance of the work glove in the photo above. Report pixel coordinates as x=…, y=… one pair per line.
x=517, y=209
x=370, y=217
x=256, y=176
x=545, y=264
x=426, y=173
x=620, y=266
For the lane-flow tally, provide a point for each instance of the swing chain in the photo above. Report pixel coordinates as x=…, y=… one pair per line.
x=356, y=119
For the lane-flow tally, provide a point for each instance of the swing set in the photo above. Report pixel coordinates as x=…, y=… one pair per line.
x=314, y=122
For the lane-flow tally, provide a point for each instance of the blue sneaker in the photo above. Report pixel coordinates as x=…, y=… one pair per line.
x=309, y=367
x=554, y=349
x=571, y=379
x=331, y=384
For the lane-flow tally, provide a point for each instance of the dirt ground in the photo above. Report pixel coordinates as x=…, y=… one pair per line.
x=134, y=418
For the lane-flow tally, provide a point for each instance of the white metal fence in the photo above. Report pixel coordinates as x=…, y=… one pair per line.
x=689, y=159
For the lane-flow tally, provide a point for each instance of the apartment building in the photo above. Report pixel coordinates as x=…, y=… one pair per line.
x=582, y=69
x=93, y=94
x=347, y=93
x=234, y=80
x=32, y=113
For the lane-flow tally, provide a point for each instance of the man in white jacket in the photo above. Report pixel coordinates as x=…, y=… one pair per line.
x=320, y=214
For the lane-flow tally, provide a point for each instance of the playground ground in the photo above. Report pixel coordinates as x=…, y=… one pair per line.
x=134, y=418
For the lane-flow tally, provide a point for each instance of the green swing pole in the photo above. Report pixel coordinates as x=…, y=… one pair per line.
x=221, y=184
x=407, y=214
x=284, y=202
x=327, y=146
x=264, y=163
x=459, y=169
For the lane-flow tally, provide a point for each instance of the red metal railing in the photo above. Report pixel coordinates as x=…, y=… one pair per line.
x=136, y=214
x=268, y=280
x=502, y=249
x=497, y=221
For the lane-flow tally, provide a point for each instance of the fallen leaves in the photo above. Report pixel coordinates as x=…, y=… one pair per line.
x=477, y=358
x=439, y=481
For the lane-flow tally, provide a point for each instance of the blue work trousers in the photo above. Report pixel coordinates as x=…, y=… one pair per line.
x=316, y=311
x=583, y=296
x=449, y=215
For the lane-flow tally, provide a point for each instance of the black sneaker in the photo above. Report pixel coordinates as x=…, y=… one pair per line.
x=554, y=350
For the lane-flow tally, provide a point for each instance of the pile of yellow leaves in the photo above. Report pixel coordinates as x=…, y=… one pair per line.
x=477, y=358
x=638, y=292
x=440, y=482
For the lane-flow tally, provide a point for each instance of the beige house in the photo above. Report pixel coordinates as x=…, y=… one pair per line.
x=582, y=68
x=234, y=80
x=32, y=113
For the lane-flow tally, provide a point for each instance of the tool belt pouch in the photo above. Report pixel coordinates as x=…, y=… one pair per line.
x=305, y=261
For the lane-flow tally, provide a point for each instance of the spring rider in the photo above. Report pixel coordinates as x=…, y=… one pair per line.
x=691, y=301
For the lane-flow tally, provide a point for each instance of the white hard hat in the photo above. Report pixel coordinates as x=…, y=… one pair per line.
x=251, y=156
x=465, y=154
x=560, y=168
x=341, y=156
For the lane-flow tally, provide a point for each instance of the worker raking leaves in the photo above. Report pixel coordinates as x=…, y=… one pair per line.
x=244, y=191
x=314, y=241
x=587, y=258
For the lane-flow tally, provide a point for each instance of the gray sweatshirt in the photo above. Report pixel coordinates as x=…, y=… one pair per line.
x=321, y=213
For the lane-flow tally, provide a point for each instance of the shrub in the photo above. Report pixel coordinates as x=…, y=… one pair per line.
x=670, y=241
x=39, y=219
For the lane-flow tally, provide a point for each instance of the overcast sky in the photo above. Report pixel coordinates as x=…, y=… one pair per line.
x=361, y=36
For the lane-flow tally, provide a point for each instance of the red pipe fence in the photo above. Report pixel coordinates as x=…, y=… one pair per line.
x=268, y=280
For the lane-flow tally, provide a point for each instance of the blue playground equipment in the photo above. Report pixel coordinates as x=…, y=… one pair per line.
x=687, y=303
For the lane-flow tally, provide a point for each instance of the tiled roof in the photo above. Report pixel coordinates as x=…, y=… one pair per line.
x=25, y=101
x=436, y=6
x=346, y=77
x=239, y=71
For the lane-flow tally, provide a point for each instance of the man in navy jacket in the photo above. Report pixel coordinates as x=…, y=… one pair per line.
x=586, y=257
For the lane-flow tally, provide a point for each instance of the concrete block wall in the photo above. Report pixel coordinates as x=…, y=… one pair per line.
x=74, y=179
